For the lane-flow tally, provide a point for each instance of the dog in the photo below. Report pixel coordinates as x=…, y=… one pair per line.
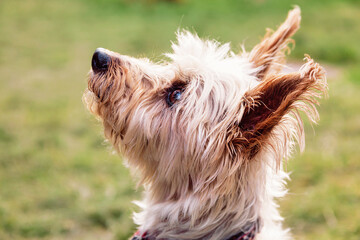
x=207, y=132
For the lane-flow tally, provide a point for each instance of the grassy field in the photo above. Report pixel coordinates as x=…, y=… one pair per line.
x=58, y=178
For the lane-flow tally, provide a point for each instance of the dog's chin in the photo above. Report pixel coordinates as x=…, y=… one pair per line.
x=91, y=101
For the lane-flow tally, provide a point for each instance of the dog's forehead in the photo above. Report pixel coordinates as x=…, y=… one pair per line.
x=192, y=53
x=193, y=56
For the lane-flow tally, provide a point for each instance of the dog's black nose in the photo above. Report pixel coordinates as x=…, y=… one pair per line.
x=100, y=60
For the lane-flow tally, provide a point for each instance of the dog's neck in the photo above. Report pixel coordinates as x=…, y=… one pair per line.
x=204, y=216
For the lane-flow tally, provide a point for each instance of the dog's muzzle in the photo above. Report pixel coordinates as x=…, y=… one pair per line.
x=100, y=60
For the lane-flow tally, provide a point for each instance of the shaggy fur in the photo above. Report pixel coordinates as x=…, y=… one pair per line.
x=210, y=164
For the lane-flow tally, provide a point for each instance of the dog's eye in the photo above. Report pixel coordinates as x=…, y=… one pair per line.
x=173, y=96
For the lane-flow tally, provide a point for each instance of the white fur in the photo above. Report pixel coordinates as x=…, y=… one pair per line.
x=217, y=65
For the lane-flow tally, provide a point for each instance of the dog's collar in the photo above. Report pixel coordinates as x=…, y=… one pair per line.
x=243, y=235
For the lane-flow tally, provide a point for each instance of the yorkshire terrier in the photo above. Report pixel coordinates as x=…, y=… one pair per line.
x=207, y=132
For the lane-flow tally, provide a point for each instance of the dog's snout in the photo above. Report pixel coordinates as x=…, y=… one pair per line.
x=100, y=60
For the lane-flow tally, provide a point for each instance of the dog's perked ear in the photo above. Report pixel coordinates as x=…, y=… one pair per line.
x=265, y=106
x=270, y=52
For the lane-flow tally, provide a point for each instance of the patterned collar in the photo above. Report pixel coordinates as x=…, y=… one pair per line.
x=247, y=235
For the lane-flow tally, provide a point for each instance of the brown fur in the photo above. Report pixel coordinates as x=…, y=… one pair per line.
x=276, y=96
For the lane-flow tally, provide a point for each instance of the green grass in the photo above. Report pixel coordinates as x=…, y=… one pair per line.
x=58, y=178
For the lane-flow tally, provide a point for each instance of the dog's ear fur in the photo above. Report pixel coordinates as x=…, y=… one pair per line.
x=265, y=106
x=269, y=53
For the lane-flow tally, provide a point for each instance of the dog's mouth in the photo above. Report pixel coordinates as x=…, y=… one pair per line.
x=94, y=84
x=99, y=91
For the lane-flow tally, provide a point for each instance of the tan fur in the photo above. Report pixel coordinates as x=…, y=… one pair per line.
x=211, y=163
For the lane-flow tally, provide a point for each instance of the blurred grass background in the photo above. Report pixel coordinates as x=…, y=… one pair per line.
x=58, y=179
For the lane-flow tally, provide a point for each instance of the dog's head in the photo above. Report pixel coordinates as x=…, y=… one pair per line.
x=197, y=122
